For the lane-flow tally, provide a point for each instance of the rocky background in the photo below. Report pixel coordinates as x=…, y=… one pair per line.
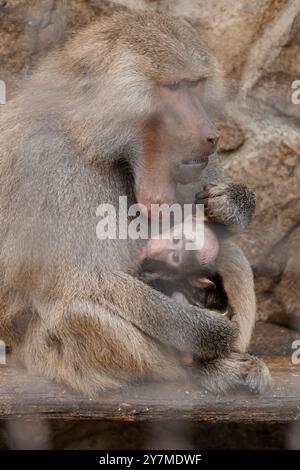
x=258, y=45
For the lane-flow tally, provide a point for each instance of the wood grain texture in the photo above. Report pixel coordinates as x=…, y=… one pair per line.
x=23, y=395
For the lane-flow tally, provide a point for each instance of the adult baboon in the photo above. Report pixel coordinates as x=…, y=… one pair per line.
x=117, y=111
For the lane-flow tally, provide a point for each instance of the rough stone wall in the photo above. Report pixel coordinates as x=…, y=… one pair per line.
x=258, y=44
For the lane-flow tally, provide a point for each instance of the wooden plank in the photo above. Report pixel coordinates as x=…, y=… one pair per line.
x=22, y=395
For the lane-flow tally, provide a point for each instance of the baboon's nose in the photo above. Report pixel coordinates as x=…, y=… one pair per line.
x=213, y=139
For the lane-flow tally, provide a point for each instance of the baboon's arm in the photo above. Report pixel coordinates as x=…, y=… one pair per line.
x=239, y=285
x=185, y=327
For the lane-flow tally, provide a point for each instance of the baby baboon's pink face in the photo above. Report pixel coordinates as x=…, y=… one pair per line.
x=173, y=251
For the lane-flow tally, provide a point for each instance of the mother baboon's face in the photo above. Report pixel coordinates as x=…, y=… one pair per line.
x=178, y=136
x=178, y=142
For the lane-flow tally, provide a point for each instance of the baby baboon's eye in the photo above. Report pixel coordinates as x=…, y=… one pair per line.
x=175, y=258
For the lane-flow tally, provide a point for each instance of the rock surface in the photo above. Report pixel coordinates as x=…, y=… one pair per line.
x=258, y=45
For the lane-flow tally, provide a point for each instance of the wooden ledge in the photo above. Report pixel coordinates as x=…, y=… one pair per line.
x=22, y=395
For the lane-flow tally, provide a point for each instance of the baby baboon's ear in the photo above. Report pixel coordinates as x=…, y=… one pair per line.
x=202, y=282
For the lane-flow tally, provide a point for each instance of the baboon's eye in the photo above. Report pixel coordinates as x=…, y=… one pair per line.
x=195, y=83
x=174, y=86
x=175, y=258
x=198, y=86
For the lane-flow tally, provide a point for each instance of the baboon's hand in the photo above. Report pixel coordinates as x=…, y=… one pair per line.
x=232, y=205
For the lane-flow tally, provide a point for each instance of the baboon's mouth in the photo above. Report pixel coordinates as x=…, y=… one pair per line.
x=190, y=171
x=203, y=160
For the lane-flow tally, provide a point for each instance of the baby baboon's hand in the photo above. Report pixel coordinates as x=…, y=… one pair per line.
x=232, y=205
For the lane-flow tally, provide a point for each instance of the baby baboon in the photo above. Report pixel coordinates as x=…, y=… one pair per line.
x=118, y=110
x=186, y=275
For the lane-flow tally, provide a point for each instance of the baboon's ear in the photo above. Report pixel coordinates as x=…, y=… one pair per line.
x=202, y=282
